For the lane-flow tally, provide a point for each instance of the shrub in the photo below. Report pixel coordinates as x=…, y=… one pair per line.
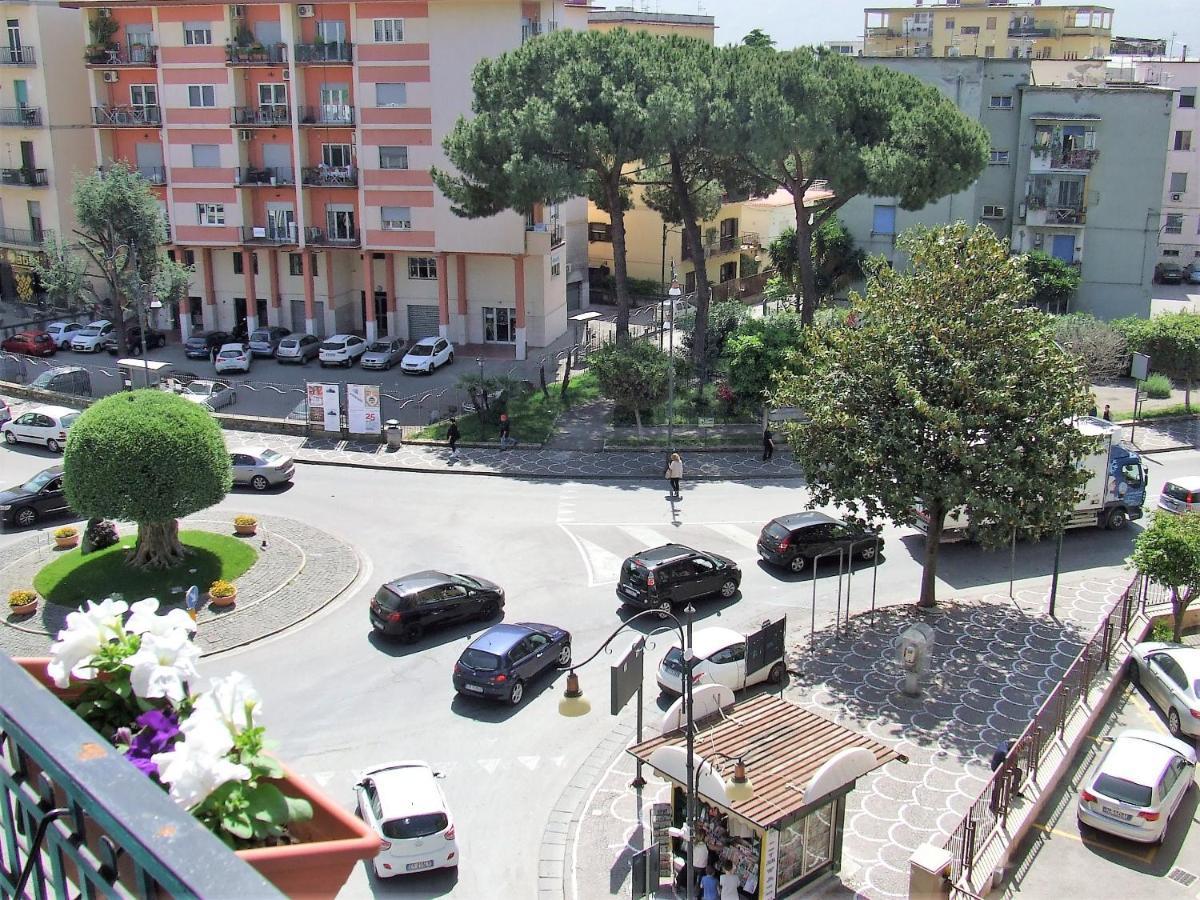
x=21, y=596
x=222, y=589
x=1157, y=386
x=67, y=531
x=1162, y=631
x=98, y=535
x=245, y=521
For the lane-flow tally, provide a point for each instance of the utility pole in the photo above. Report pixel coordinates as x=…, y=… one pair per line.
x=672, y=295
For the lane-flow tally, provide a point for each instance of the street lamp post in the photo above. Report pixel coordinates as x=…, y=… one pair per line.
x=673, y=295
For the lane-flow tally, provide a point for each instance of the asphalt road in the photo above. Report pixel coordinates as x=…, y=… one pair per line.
x=337, y=699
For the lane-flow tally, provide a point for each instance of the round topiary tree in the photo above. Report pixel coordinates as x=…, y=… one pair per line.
x=149, y=457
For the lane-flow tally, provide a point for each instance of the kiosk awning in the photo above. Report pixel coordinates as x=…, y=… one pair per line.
x=793, y=757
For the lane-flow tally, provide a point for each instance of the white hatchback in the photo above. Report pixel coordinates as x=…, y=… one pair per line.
x=92, y=338
x=404, y=805
x=46, y=425
x=62, y=332
x=720, y=659
x=1180, y=495
x=427, y=355
x=233, y=358
x=341, y=350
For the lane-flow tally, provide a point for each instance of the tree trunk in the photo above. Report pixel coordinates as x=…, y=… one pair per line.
x=542, y=379
x=637, y=417
x=616, y=215
x=562, y=394
x=1187, y=394
x=158, y=546
x=936, y=510
x=691, y=235
x=1179, y=605
x=804, y=261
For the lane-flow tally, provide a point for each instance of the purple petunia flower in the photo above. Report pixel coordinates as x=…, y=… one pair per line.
x=158, y=733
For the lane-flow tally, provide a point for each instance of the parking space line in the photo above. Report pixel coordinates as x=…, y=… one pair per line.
x=1147, y=856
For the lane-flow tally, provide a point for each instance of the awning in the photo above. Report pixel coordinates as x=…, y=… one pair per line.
x=793, y=757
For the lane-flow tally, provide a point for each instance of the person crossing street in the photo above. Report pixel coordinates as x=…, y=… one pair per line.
x=673, y=474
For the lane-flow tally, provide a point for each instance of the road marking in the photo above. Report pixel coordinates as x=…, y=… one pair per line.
x=529, y=762
x=646, y=537
x=739, y=536
x=596, y=560
x=489, y=765
x=1094, y=844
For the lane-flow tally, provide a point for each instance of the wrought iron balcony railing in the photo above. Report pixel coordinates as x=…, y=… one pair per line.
x=270, y=234
x=24, y=177
x=127, y=116
x=321, y=237
x=255, y=54
x=153, y=174
x=24, y=237
x=116, y=55
x=330, y=176
x=327, y=52
x=327, y=114
x=21, y=116
x=17, y=56
x=266, y=176
x=261, y=116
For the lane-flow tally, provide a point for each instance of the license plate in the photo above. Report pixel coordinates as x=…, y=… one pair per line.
x=424, y=864
x=478, y=690
x=632, y=592
x=1116, y=813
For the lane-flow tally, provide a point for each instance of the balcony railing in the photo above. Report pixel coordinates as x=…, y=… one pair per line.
x=24, y=237
x=17, y=56
x=1055, y=157
x=327, y=114
x=21, y=116
x=330, y=176
x=261, y=116
x=255, y=54
x=24, y=177
x=153, y=174
x=322, y=237
x=1032, y=29
x=328, y=52
x=269, y=234
x=252, y=176
x=116, y=55
x=127, y=116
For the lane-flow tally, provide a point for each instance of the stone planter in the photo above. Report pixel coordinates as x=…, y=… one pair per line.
x=223, y=601
x=246, y=530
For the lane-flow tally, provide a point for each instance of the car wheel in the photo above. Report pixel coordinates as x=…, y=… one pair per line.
x=777, y=673
x=53, y=446
x=412, y=633
x=490, y=608
x=516, y=693
x=798, y=563
x=1117, y=519
x=664, y=608
x=259, y=483
x=564, y=655
x=1135, y=673
x=25, y=516
x=9, y=437
x=868, y=552
x=729, y=588
x=1173, y=724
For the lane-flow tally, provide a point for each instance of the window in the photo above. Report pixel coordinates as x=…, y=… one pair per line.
x=599, y=232
x=1174, y=224
x=210, y=213
x=396, y=218
x=728, y=272
x=389, y=31
x=189, y=257
x=1171, y=253
x=998, y=158
x=1001, y=101
x=499, y=325
x=197, y=33
x=993, y=212
x=422, y=267
x=1187, y=98
x=296, y=264
x=555, y=267
x=970, y=29
x=206, y=156
x=991, y=23
x=1183, y=140
x=202, y=95
x=391, y=94
x=1178, y=182
x=949, y=24
x=239, y=263
x=989, y=52
x=689, y=282
x=884, y=220
x=393, y=157
x=336, y=155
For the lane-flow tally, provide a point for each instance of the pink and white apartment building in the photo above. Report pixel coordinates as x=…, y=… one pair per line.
x=291, y=147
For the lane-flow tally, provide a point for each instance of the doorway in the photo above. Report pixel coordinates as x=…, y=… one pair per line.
x=1063, y=247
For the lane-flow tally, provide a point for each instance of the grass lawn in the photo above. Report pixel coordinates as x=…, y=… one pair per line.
x=532, y=416
x=73, y=579
x=1178, y=409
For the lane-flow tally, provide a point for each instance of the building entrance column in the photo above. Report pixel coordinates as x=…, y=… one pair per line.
x=211, y=321
x=393, y=328
x=369, y=322
x=461, y=324
x=274, y=314
x=443, y=277
x=251, y=296
x=519, y=291
x=310, y=301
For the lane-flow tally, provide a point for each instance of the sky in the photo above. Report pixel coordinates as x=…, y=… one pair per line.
x=795, y=22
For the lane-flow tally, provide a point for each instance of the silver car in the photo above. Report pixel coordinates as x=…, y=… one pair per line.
x=298, y=348
x=265, y=341
x=1170, y=675
x=382, y=354
x=261, y=467
x=213, y=394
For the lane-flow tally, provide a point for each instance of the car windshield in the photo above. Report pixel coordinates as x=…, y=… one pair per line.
x=1125, y=791
x=89, y=332
x=288, y=342
x=38, y=481
x=69, y=419
x=421, y=350
x=674, y=660
x=43, y=379
x=467, y=580
x=480, y=659
x=230, y=354
x=333, y=345
x=379, y=347
x=415, y=826
x=262, y=336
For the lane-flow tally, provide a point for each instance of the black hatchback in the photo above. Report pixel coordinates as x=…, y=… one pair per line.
x=407, y=607
x=796, y=540
x=674, y=574
x=201, y=346
x=501, y=661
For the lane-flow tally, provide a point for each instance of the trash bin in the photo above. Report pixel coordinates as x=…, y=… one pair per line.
x=395, y=437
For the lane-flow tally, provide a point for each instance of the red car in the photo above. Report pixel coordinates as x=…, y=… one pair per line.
x=31, y=343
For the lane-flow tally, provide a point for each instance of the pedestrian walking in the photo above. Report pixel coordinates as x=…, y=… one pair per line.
x=505, y=428
x=212, y=354
x=768, y=444
x=673, y=473
x=729, y=883
x=1095, y=412
x=1107, y=413
x=452, y=436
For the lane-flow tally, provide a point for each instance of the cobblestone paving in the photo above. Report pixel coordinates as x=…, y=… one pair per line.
x=301, y=570
x=1180, y=434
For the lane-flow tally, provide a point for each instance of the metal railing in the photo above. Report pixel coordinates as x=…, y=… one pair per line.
x=24, y=237
x=24, y=177
x=126, y=116
x=255, y=54
x=322, y=237
x=1067, y=159
x=265, y=176
x=116, y=55
x=259, y=234
x=1032, y=29
x=330, y=176
x=17, y=56
x=262, y=116
x=21, y=116
x=327, y=114
x=327, y=52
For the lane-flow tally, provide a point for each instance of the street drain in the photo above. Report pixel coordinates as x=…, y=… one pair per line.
x=1183, y=876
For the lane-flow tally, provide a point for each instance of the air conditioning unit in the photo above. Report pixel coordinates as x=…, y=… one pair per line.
x=1175, y=198
x=244, y=134
x=237, y=10
x=305, y=11
x=570, y=268
x=111, y=77
x=287, y=74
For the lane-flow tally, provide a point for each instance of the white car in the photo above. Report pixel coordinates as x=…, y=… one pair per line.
x=62, y=332
x=213, y=394
x=427, y=355
x=720, y=659
x=1181, y=495
x=46, y=425
x=1137, y=786
x=233, y=358
x=1170, y=675
x=341, y=350
x=404, y=805
x=90, y=339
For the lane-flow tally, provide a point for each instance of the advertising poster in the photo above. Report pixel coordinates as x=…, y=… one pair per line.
x=323, y=406
x=316, y=403
x=362, y=409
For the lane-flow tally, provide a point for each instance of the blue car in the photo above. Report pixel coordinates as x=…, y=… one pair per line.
x=501, y=661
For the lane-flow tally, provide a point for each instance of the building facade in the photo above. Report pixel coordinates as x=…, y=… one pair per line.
x=44, y=136
x=991, y=29
x=291, y=146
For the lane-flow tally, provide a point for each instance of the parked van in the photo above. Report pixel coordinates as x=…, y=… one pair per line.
x=140, y=373
x=1181, y=495
x=65, y=380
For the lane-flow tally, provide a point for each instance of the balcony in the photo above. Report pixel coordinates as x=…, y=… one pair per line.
x=24, y=177
x=156, y=175
x=21, y=116
x=325, y=52
x=17, y=56
x=266, y=176
x=1051, y=158
x=322, y=237
x=261, y=116
x=114, y=55
x=255, y=54
x=1031, y=30
x=330, y=176
x=271, y=235
x=1041, y=213
x=327, y=114
x=541, y=236
x=24, y=237
x=126, y=116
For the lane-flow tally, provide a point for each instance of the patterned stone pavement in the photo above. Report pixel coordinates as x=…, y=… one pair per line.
x=302, y=570
x=1161, y=437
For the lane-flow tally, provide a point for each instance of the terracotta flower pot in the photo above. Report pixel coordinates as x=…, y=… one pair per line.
x=246, y=530
x=223, y=601
x=67, y=543
x=24, y=609
x=331, y=843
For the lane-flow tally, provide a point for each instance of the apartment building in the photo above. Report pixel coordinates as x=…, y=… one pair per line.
x=291, y=147
x=44, y=137
x=989, y=28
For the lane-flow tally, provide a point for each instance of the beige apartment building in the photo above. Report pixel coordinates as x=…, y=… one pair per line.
x=44, y=135
x=991, y=29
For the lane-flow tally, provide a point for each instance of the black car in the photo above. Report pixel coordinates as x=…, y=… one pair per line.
x=1169, y=273
x=201, y=346
x=42, y=495
x=674, y=574
x=795, y=540
x=407, y=607
x=133, y=340
x=502, y=660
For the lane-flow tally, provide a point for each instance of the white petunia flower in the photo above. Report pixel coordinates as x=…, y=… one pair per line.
x=79, y=642
x=196, y=766
x=163, y=665
x=231, y=700
x=145, y=619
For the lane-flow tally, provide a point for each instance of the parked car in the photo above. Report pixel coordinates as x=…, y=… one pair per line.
x=213, y=394
x=46, y=425
x=30, y=343
x=261, y=467
x=720, y=659
x=403, y=804
x=382, y=354
x=90, y=339
x=233, y=358
x=408, y=606
x=501, y=661
x=1170, y=675
x=133, y=340
x=427, y=356
x=264, y=341
x=796, y=540
x=1168, y=273
x=5, y=411
x=62, y=332
x=1181, y=495
x=1192, y=273
x=672, y=574
x=201, y=346
x=65, y=380
x=341, y=350
x=1138, y=784
x=298, y=348
x=42, y=495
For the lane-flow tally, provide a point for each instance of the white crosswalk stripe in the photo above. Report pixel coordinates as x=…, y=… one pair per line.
x=646, y=537
x=738, y=535
x=604, y=547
